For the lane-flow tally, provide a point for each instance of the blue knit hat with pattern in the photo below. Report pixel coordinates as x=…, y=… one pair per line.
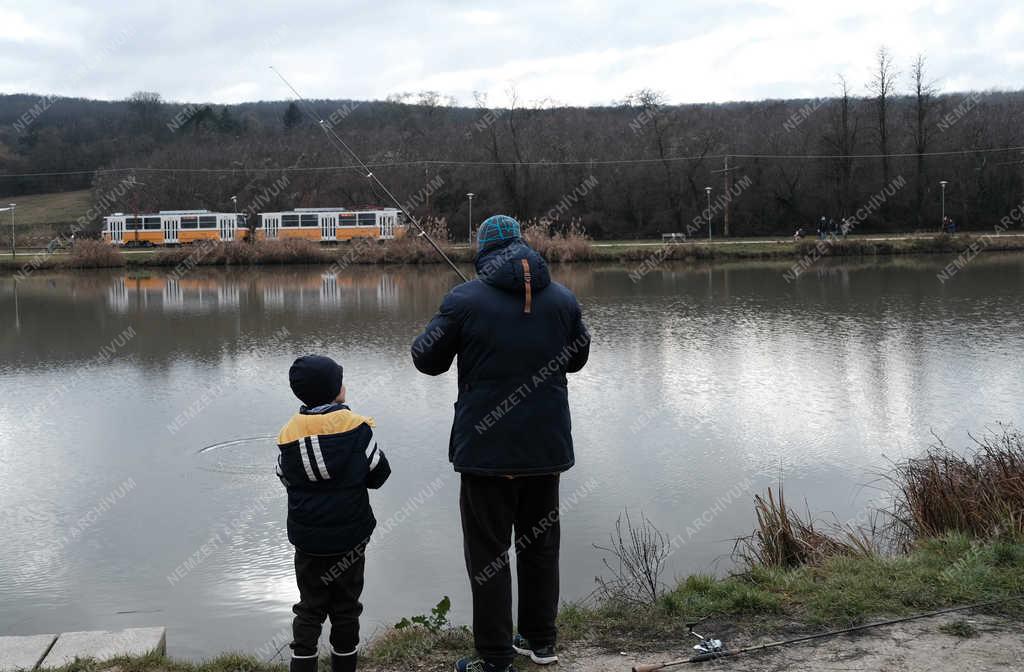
x=497, y=229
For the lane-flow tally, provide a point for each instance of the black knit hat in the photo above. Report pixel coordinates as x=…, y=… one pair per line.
x=316, y=380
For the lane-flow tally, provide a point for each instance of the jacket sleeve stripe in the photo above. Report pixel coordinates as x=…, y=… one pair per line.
x=321, y=465
x=374, y=458
x=305, y=461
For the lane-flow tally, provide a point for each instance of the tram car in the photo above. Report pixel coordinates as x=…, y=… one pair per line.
x=182, y=227
x=173, y=227
x=330, y=224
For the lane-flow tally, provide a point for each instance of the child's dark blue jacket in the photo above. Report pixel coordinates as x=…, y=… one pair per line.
x=327, y=461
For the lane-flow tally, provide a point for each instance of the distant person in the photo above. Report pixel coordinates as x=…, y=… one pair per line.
x=822, y=228
x=327, y=460
x=516, y=335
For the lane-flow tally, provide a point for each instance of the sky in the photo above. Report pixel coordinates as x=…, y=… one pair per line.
x=572, y=52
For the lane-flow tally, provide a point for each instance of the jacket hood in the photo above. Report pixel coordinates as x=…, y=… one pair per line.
x=501, y=266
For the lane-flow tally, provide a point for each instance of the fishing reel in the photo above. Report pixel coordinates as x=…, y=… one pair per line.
x=708, y=646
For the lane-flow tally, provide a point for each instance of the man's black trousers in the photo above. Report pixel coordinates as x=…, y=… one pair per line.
x=492, y=509
x=329, y=586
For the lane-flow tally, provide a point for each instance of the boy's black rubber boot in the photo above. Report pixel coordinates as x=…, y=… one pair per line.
x=303, y=664
x=344, y=663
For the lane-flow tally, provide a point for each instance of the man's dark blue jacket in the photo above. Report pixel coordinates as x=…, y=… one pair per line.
x=516, y=334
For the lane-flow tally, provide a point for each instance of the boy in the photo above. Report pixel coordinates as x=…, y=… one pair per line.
x=327, y=461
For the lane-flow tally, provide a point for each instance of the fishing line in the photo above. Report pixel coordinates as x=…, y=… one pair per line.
x=236, y=442
x=329, y=132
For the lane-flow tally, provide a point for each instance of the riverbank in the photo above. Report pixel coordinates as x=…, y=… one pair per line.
x=642, y=256
x=748, y=609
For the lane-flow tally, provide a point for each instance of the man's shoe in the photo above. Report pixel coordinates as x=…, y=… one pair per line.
x=480, y=665
x=344, y=663
x=542, y=655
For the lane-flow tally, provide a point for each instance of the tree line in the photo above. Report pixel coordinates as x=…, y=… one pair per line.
x=646, y=163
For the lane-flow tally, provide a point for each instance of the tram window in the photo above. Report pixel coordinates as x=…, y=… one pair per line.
x=132, y=224
x=367, y=219
x=289, y=220
x=189, y=222
x=240, y=220
x=151, y=223
x=208, y=222
x=346, y=220
x=309, y=220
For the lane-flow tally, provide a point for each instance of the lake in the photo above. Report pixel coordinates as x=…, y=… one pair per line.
x=705, y=385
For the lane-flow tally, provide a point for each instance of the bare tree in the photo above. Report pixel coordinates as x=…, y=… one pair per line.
x=882, y=87
x=841, y=140
x=924, y=101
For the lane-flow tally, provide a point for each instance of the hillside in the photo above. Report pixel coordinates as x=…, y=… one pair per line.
x=635, y=169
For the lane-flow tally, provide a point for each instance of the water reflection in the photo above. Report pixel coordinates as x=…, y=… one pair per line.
x=701, y=378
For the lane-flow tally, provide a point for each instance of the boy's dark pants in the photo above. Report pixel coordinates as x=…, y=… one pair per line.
x=329, y=586
x=492, y=507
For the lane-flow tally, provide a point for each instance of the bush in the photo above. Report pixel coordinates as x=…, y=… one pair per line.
x=94, y=254
x=571, y=244
x=979, y=494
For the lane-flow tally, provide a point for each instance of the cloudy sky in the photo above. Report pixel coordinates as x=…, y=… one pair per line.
x=566, y=51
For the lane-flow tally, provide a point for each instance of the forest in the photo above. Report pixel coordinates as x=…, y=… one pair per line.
x=636, y=168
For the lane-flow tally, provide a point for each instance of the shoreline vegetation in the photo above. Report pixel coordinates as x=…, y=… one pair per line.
x=949, y=532
x=567, y=246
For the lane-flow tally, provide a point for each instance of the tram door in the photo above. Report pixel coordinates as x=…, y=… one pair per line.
x=227, y=227
x=172, y=228
x=328, y=227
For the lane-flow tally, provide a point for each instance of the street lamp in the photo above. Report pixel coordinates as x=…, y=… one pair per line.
x=470, y=196
x=12, y=206
x=943, y=183
x=707, y=190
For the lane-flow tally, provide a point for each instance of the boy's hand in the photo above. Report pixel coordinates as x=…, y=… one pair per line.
x=380, y=468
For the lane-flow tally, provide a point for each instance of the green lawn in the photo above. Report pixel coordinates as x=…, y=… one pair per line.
x=43, y=209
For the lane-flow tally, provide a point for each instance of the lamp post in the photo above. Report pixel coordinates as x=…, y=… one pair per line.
x=13, y=249
x=943, y=183
x=707, y=190
x=470, y=196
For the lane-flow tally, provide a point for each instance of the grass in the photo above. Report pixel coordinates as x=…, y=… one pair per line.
x=959, y=628
x=229, y=662
x=571, y=245
x=45, y=209
x=948, y=571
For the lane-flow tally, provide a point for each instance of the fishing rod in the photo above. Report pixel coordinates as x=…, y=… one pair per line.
x=712, y=649
x=336, y=141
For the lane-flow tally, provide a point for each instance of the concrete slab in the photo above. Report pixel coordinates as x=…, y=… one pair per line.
x=104, y=645
x=23, y=652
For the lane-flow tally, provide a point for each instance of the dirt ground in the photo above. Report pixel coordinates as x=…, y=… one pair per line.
x=919, y=646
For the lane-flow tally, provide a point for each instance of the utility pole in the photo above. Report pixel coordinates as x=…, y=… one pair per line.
x=13, y=247
x=470, y=196
x=726, y=195
x=708, y=191
x=943, y=184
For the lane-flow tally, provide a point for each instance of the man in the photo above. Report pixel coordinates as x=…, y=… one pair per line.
x=516, y=334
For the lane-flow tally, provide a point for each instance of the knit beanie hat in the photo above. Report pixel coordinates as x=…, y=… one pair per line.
x=316, y=380
x=497, y=229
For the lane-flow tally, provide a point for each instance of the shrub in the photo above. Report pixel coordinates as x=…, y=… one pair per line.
x=570, y=244
x=94, y=254
x=979, y=494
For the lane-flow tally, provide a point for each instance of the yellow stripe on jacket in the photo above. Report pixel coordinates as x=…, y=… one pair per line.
x=336, y=422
